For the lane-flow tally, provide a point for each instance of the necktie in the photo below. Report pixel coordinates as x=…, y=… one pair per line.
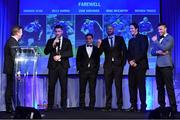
x=111, y=39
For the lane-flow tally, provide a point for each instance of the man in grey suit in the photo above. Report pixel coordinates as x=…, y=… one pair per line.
x=162, y=48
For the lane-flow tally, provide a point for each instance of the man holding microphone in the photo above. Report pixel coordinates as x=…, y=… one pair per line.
x=60, y=50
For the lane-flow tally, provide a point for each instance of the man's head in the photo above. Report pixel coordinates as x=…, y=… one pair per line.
x=87, y=20
x=17, y=31
x=58, y=30
x=36, y=20
x=110, y=30
x=134, y=28
x=162, y=29
x=89, y=38
x=145, y=19
x=118, y=20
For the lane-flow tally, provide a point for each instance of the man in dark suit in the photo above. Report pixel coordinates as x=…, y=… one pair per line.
x=115, y=52
x=162, y=48
x=138, y=64
x=60, y=50
x=9, y=57
x=88, y=60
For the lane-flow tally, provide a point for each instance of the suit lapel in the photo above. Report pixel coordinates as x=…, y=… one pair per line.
x=93, y=51
x=107, y=43
x=16, y=42
x=63, y=42
x=85, y=51
x=115, y=41
x=164, y=40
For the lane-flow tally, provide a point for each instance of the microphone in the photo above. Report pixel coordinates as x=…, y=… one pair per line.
x=57, y=49
x=57, y=41
x=57, y=45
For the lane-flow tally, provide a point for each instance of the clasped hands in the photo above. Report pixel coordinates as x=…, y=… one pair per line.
x=160, y=52
x=57, y=58
x=133, y=63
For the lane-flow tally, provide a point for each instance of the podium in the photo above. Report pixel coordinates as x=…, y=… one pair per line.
x=26, y=60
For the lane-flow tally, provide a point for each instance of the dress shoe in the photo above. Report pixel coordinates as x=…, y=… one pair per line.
x=162, y=106
x=63, y=109
x=132, y=109
x=9, y=111
x=143, y=107
x=91, y=108
x=174, y=109
x=49, y=108
x=120, y=109
x=142, y=110
x=107, y=109
x=82, y=107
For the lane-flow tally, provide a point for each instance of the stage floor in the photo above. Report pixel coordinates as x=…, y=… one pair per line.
x=75, y=113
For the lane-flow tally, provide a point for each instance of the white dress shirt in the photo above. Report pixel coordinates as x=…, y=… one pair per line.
x=15, y=38
x=113, y=40
x=89, y=50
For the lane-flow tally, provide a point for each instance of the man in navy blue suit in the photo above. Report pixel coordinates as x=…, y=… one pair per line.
x=138, y=64
x=115, y=52
x=9, y=58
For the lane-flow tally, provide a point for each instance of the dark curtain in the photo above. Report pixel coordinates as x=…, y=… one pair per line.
x=8, y=18
x=170, y=14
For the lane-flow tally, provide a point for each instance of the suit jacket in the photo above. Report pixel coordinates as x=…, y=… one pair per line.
x=9, y=55
x=82, y=59
x=65, y=52
x=137, y=50
x=118, y=52
x=165, y=45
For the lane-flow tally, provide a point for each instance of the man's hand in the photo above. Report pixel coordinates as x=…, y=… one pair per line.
x=165, y=53
x=154, y=38
x=55, y=42
x=160, y=52
x=57, y=58
x=99, y=43
x=132, y=63
x=18, y=77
